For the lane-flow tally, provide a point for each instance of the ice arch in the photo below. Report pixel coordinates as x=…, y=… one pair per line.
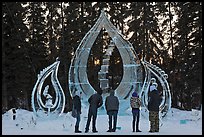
x=78, y=78
x=131, y=79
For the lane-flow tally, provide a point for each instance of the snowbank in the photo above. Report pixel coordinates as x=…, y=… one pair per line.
x=177, y=122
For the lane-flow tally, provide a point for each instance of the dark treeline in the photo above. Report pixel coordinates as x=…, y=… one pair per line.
x=168, y=34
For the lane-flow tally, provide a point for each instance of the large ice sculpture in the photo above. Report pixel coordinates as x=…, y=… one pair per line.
x=77, y=73
x=131, y=79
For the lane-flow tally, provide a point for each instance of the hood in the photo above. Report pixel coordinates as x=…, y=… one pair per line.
x=152, y=87
x=134, y=94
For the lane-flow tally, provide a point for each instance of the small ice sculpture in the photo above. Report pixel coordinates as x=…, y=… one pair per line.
x=47, y=108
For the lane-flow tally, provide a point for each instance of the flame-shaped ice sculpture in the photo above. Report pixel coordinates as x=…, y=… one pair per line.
x=49, y=108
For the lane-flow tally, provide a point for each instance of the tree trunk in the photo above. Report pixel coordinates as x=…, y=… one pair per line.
x=4, y=83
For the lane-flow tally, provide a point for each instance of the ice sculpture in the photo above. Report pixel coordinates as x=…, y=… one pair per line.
x=103, y=73
x=131, y=79
x=48, y=108
x=77, y=73
x=159, y=74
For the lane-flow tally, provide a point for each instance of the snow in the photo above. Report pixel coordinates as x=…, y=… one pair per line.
x=178, y=122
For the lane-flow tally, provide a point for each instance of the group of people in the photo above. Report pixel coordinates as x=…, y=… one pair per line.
x=112, y=107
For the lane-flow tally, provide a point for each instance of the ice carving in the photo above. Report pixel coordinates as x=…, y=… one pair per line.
x=48, y=108
x=132, y=69
x=154, y=71
x=103, y=73
x=77, y=73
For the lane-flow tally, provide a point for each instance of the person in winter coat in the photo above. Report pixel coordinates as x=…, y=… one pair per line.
x=135, y=103
x=153, y=107
x=95, y=101
x=112, y=107
x=77, y=107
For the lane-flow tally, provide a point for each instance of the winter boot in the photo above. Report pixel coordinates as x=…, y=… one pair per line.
x=86, y=130
x=114, y=129
x=138, y=130
x=77, y=129
x=94, y=129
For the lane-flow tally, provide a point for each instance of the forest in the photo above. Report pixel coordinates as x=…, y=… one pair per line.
x=34, y=34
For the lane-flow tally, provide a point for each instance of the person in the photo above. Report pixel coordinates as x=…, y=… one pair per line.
x=135, y=103
x=95, y=101
x=153, y=80
x=153, y=107
x=77, y=106
x=112, y=107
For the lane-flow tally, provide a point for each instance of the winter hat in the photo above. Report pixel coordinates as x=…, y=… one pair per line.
x=155, y=84
x=153, y=87
x=134, y=94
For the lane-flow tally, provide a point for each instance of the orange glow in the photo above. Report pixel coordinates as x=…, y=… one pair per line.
x=97, y=62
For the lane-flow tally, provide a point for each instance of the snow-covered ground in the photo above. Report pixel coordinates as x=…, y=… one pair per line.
x=178, y=122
